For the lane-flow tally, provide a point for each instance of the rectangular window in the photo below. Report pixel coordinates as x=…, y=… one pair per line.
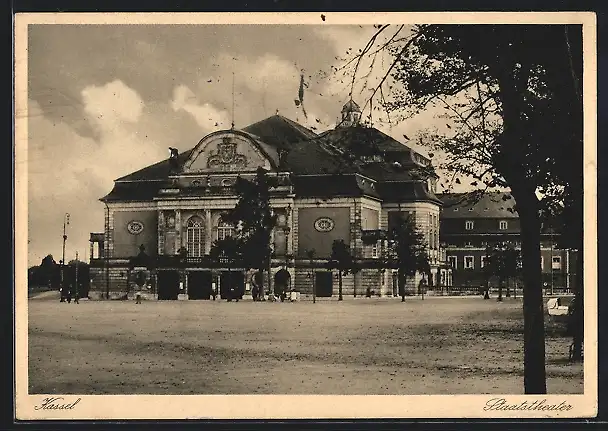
x=542, y=263
x=483, y=261
x=469, y=262
x=468, y=244
x=556, y=262
x=502, y=225
x=452, y=260
x=375, y=250
x=468, y=225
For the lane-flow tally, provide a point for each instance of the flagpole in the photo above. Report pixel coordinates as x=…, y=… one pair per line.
x=233, y=97
x=66, y=221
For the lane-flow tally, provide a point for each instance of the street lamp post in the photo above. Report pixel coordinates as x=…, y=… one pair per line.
x=76, y=289
x=66, y=222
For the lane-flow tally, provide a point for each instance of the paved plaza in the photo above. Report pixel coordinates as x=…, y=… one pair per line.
x=438, y=345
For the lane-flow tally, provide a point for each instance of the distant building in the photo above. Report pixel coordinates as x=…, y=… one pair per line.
x=468, y=228
x=352, y=182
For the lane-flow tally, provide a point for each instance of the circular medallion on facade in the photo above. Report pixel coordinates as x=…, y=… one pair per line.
x=324, y=224
x=135, y=227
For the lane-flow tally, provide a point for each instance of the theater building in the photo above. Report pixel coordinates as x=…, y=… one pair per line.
x=351, y=183
x=469, y=227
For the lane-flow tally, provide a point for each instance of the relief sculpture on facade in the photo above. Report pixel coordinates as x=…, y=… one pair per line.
x=226, y=156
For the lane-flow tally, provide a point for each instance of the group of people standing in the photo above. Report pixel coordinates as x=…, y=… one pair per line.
x=66, y=295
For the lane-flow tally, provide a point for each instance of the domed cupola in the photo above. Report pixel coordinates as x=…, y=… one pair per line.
x=351, y=114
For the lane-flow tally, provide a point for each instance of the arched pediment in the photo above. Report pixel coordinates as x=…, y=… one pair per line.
x=228, y=151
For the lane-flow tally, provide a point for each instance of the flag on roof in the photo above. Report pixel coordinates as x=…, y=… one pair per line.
x=300, y=100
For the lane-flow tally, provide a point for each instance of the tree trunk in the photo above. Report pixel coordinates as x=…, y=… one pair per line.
x=508, y=295
x=270, y=281
x=340, y=298
x=499, y=289
x=486, y=293
x=401, y=282
x=535, y=381
x=262, y=288
x=512, y=164
x=578, y=316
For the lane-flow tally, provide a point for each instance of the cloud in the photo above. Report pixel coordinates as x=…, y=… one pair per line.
x=113, y=102
x=69, y=172
x=206, y=115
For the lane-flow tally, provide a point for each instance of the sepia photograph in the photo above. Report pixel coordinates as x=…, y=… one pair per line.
x=305, y=215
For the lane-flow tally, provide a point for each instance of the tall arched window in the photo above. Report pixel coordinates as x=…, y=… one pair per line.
x=194, y=236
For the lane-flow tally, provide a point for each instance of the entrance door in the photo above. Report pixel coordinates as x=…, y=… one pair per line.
x=232, y=285
x=282, y=281
x=324, y=284
x=168, y=285
x=199, y=285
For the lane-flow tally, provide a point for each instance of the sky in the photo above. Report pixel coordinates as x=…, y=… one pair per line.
x=107, y=100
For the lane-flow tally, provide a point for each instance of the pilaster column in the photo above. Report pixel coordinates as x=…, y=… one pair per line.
x=208, y=232
x=288, y=221
x=91, y=250
x=161, y=233
x=178, y=229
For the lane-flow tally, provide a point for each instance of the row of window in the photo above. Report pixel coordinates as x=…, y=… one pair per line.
x=471, y=209
x=482, y=244
x=470, y=224
x=469, y=262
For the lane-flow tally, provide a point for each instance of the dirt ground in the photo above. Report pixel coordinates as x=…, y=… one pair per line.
x=359, y=346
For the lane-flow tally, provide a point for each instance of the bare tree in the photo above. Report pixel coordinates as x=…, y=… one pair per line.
x=512, y=107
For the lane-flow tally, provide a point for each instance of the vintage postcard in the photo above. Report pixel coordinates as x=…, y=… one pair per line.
x=317, y=215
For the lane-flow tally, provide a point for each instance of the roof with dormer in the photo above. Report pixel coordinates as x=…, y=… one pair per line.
x=488, y=205
x=352, y=161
